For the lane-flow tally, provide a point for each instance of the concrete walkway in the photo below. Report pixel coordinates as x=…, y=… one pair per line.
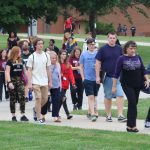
x=78, y=121
x=81, y=39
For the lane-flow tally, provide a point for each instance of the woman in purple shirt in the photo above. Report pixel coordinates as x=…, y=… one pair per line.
x=131, y=70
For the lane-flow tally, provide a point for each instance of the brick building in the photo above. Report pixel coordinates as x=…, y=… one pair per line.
x=142, y=23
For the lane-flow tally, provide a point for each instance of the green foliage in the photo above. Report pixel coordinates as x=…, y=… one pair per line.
x=14, y=13
x=101, y=28
x=104, y=28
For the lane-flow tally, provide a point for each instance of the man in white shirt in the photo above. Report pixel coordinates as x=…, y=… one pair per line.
x=39, y=76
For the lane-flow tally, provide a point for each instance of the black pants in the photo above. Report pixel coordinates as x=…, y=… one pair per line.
x=55, y=95
x=133, y=33
x=2, y=83
x=63, y=101
x=77, y=94
x=132, y=95
x=148, y=115
x=45, y=107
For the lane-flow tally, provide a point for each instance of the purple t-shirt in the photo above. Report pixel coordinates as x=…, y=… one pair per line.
x=108, y=56
x=131, y=70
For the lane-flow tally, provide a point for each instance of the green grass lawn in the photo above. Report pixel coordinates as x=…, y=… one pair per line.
x=144, y=51
x=143, y=106
x=24, y=136
x=104, y=37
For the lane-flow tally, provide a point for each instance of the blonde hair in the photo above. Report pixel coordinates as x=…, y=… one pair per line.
x=14, y=54
x=52, y=53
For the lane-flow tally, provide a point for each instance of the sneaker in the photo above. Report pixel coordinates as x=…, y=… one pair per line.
x=40, y=121
x=75, y=107
x=34, y=114
x=43, y=119
x=24, y=118
x=147, y=124
x=108, y=119
x=93, y=118
x=69, y=117
x=14, y=119
x=122, y=119
x=88, y=116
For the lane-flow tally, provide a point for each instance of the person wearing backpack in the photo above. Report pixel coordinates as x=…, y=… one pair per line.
x=39, y=77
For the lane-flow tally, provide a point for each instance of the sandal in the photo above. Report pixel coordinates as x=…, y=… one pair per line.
x=132, y=130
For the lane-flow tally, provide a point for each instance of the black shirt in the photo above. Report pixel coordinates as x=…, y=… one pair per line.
x=12, y=43
x=16, y=69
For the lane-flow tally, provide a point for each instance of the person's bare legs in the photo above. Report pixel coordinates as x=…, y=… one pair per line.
x=91, y=102
x=108, y=103
x=120, y=102
x=95, y=106
x=38, y=108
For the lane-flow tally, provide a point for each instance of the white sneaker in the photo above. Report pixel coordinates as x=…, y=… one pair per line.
x=40, y=122
x=147, y=124
x=122, y=119
x=109, y=119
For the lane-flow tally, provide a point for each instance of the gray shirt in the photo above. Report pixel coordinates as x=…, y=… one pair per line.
x=56, y=76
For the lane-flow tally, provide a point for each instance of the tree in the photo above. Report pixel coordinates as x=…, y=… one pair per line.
x=94, y=8
x=14, y=13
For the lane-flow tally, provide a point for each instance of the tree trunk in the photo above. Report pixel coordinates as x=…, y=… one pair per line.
x=92, y=21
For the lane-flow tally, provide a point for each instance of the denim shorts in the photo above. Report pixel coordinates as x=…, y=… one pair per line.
x=91, y=88
x=108, y=81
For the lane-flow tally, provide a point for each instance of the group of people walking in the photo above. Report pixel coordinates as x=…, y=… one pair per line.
x=30, y=67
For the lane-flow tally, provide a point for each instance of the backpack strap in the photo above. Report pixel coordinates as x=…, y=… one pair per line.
x=47, y=59
x=32, y=61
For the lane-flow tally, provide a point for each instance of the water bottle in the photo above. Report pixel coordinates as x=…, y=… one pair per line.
x=30, y=95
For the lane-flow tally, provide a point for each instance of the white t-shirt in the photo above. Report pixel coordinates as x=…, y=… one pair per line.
x=38, y=65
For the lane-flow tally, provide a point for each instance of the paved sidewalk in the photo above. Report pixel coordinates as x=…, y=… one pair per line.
x=77, y=121
x=80, y=39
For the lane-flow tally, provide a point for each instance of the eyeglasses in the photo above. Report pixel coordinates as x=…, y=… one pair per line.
x=92, y=44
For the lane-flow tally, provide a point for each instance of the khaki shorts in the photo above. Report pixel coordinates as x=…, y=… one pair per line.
x=40, y=91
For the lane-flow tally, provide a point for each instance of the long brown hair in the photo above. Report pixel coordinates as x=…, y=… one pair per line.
x=1, y=51
x=72, y=55
x=14, y=54
x=66, y=61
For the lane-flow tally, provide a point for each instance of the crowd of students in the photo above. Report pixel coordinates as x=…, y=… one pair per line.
x=49, y=73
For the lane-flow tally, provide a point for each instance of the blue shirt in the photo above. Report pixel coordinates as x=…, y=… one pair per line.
x=108, y=56
x=88, y=60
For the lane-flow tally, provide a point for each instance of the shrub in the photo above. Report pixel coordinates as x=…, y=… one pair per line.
x=102, y=28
